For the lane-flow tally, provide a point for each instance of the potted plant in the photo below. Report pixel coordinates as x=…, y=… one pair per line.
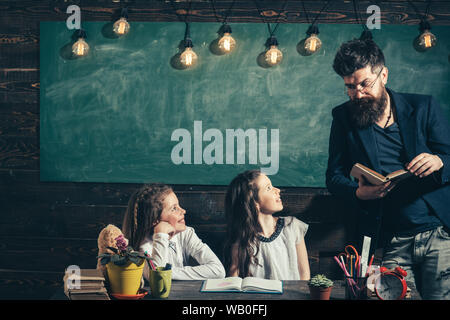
x=320, y=287
x=124, y=267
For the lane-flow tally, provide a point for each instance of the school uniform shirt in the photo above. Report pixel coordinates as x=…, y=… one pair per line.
x=177, y=252
x=277, y=255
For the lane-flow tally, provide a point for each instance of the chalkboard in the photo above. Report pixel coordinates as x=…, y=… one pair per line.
x=125, y=114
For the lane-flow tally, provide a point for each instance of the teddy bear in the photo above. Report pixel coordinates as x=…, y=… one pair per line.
x=107, y=238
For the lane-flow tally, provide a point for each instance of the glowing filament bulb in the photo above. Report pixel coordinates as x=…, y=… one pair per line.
x=227, y=43
x=188, y=57
x=80, y=48
x=427, y=39
x=273, y=56
x=121, y=26
x=313, y=44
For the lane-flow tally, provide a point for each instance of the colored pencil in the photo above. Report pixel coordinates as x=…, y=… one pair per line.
x=150, y=262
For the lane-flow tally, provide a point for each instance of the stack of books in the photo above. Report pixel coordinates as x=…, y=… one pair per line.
x=85, y=284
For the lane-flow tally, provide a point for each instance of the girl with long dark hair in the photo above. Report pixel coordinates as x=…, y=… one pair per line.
x=259, y=244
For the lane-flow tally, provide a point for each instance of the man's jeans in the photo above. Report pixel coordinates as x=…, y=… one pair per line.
x=426, y=258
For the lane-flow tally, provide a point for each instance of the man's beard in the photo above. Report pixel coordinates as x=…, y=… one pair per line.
x=366, y=111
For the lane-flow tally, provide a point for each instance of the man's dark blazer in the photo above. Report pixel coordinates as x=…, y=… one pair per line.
x=423, y=128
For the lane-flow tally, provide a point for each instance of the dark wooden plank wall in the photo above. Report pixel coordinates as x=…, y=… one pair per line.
x=44, y=226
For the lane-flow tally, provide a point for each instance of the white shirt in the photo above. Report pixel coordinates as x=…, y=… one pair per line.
x=177, y=252
x=277, y=255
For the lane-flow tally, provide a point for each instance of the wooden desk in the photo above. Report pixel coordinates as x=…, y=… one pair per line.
x=293, y=290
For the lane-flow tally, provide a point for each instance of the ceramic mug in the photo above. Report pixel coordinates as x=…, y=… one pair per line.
x=160, y=282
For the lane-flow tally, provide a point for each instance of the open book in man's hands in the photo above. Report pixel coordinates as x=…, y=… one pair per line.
x=237, y=284
x=376, y=178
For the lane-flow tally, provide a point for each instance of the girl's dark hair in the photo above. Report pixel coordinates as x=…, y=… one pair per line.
x=242, y=222
x=357, y=54
x=143, y=212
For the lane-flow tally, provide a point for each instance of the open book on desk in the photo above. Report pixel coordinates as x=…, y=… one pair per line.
x=248, y=284
x=376, y=178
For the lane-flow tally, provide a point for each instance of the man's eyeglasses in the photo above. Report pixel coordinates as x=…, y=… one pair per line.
x=364, y=86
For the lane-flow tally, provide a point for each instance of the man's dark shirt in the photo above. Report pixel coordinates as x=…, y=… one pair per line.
x=405, y=211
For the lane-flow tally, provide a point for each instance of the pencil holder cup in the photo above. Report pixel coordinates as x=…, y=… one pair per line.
x=356, y=288
x=160, y=281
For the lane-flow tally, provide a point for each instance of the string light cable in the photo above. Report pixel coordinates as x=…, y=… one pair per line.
x=188, y=57
x=366, y=34
x=312, y=43
x=226, y=43
x=273, y=55
x=426, y=40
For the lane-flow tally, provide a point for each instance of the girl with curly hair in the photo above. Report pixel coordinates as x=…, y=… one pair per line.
x=154, y=223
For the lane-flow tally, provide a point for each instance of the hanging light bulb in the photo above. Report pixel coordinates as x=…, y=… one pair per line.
x=273, y=55
x=188, y=58
x=312, y=43
x=121, y=26
x=226, y=43
x=80, y=48
x=426, y=39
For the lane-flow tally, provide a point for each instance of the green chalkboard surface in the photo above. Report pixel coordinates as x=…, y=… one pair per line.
x=125, y=114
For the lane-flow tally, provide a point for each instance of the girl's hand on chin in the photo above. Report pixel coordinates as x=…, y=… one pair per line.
x=164, y=227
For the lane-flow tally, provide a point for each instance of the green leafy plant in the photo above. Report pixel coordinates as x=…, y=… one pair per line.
x=320, y=280
x=122, y=254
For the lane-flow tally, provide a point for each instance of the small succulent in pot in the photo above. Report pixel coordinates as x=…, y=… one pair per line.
x=320, y=280
x=320, y=287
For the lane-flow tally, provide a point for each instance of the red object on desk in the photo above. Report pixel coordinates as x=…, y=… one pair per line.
x=140, y=295
x=391, y=285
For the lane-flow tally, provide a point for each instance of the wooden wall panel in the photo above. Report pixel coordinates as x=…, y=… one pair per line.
x=339, y=11
x=24, y=285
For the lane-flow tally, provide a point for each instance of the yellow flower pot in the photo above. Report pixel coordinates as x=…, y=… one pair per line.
x=125, y=280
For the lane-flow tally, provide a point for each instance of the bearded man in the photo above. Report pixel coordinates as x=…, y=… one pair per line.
x=387, y=131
